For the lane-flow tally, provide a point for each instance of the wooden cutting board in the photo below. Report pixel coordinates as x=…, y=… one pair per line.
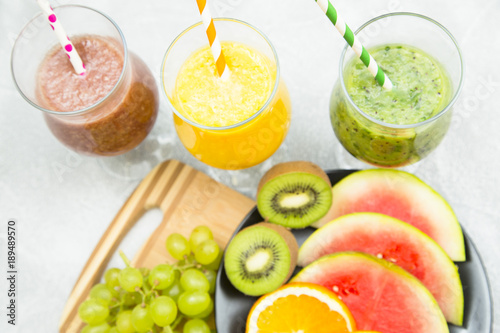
x=187, y=197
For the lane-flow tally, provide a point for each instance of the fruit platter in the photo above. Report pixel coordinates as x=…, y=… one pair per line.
x=233, y=306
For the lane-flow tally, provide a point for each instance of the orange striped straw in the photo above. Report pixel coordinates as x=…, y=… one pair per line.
x=208, y=22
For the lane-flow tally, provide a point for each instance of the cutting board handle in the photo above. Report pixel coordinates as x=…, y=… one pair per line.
x=128, y=215
x=187, y=198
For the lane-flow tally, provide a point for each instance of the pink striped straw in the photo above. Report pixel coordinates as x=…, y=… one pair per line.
x=63, y=38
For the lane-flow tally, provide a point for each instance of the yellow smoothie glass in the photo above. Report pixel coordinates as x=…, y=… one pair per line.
x=233, y=122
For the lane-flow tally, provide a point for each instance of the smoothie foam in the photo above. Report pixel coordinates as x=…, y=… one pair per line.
x=421, y=87
x=205, y=98
x=61, y=89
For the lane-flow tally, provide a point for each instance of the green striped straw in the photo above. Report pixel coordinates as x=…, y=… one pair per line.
x=355, y=44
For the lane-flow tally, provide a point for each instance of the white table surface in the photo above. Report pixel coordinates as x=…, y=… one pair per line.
x=63, y=202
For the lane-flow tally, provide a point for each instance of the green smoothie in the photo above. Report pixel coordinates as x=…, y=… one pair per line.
x=421, y=91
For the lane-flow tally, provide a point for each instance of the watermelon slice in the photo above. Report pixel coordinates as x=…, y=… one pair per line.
x=396, y=241
x=381, y=296
x=401, y=195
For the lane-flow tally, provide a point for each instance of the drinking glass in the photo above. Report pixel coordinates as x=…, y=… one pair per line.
x=248, y=142
x=113, y=125
x=385, y=144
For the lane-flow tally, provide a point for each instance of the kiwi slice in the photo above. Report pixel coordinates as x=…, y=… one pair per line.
x=294, y=194
x=260, y=258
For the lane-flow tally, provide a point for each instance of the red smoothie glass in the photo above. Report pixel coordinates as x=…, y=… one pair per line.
x=108, y=111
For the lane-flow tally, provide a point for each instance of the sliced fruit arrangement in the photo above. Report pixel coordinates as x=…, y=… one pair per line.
x=283, y=311
x=161, y=299
x=398, y=242
x=385, y=247
x=401, y=195
x=380, y=295
x=294, y=194
x=261, y=258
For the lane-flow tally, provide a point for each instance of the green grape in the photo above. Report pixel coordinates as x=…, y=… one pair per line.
x=101, y=328
x=124, y=322
x=141, y=318
x=93, y=311
x=130, y=278
x=211, y=277
x=174, y=290
x=168, y=329
x=207, y=252
x=196, y=326
x=177, y=246
x=163, y=311
x=131, y=299
x=200, y=234
x=111, y=279
x=101, y=291
x=215, y=265
x=193, y=302
x=113, y=330
x=193, y=279
x=162, y=276
x=207, y=312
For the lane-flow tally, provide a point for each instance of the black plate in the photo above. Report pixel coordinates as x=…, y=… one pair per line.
x=232, y=307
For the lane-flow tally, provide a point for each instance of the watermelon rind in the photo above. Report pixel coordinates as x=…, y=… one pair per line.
x=406, y=246
x=362, y=191
x=371, y=273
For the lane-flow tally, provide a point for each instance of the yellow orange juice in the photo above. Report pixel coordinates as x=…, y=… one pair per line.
x=232, y=122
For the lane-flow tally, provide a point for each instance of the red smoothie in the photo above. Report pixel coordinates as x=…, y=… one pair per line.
x=122, y=108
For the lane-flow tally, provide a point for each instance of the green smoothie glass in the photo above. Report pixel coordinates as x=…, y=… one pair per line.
x=398, y=127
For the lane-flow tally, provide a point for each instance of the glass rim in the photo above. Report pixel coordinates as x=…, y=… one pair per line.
x=247, y=120
x=90, y=107
x=407, y=126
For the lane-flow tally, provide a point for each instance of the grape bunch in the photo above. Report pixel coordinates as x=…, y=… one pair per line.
x=160, y=300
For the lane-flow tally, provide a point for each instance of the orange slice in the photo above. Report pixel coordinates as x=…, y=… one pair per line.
x=300, y=307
